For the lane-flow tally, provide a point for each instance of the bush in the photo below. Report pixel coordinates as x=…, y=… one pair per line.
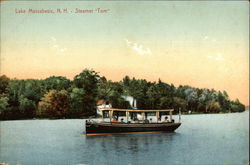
x=54, y=104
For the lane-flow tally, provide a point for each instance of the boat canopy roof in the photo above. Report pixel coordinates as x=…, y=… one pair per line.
x=136, y=110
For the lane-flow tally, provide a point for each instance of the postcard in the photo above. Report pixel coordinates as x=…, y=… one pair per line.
x=124, y=82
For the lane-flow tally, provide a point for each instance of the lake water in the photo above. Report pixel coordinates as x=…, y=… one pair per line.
x=212, y=139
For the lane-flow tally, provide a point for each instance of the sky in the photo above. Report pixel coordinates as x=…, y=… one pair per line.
x=201, y=44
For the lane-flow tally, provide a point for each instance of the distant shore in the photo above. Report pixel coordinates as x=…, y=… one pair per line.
x=99, y=117
x=57, y=97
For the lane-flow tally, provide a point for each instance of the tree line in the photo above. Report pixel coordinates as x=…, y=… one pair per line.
x=59, y=97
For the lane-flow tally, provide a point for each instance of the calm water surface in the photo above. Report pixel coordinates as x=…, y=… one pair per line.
x=214, y=139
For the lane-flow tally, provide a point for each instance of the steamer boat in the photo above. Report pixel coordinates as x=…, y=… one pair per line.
x=133, y=124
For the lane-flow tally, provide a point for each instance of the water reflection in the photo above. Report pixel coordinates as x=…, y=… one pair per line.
x=131, y=148
x=131, y=142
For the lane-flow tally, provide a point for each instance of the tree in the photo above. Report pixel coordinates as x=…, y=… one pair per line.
x=153, y=97
x=164, y=89
x=88, y=81
x=27, y=107
x=77, y=103
x=236, y=106
x=117, y=101
x=54, y=104
x=213, y=106
x=204, y=97
x=126, y=81
x=179, y=103
x=3, y=103
x=192, y=98
x=31, y=89
x=59, y=97
x=103, y=88
x=166, y=102
x=4, y=82
x=56, y=82
x=224, y=101
x=13, y=92
x=180, y=91
x=138, y=89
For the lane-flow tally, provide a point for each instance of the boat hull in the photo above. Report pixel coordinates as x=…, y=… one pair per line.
x=94, y=127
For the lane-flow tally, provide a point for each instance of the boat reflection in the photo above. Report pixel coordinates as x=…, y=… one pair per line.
x=131, y=143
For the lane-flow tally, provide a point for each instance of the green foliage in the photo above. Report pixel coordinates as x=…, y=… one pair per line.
x=153, y=97
x=13, y=92
x=4, y=82
x=213, y=107
x=30, y=89
x=236, y=106
x=223, y=101
x=58, y=97
x=88, y=81
x=117, y=101
x=138, y=89
x=166, y=102
x=77, y=100
x=104, y=88
x=56, y=83
x=3, y=103
x=27, y=107
x=179, y=104
x=54, y=104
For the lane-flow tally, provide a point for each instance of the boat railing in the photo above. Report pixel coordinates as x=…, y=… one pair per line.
x=129, y=122
x=143, y=114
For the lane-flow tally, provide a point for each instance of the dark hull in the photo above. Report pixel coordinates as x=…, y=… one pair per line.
x=96, y=128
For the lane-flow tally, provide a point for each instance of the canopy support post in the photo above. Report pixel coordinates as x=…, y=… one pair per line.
x=127, y=115
x=179, y=115
x=143, y=115
x=110, y=115
x=157, y=116
x=170, y=115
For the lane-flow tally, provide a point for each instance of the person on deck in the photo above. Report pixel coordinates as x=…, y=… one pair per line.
x=166, y=120
x=115, y=120
x=146, y=121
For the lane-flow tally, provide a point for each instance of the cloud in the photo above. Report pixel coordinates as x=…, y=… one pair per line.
x=55, y=46
x=211, y=39
x=205, y=38
x=217, y=57
x=58, y=48
x=138, y=48
x=53, y=38
x=63, y=49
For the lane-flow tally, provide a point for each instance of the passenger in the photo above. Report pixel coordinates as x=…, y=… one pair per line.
x=122, y=120
x=136, y=120
x=159, y=118
x=166, y=120
x=146, y=121
x=115, y=120
x=150, y=120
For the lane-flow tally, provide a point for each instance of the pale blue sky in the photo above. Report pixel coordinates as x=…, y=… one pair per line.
x=199, y=43
x=167, y=21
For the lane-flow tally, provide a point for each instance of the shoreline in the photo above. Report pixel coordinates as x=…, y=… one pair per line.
x=95, y=117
